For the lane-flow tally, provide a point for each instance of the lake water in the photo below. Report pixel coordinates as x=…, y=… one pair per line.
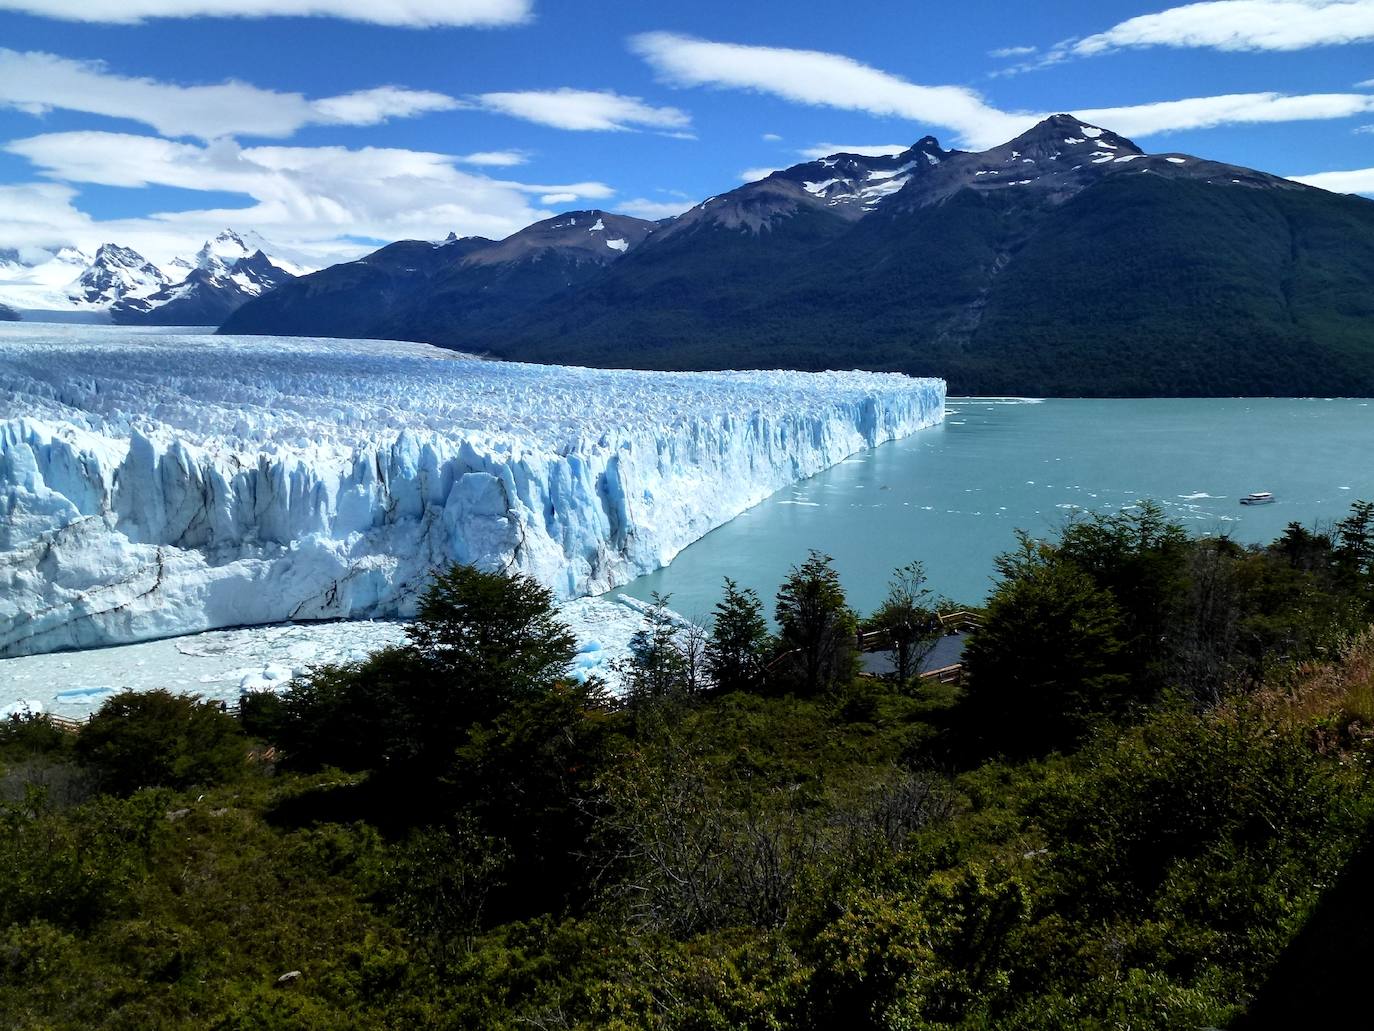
x=952, y=496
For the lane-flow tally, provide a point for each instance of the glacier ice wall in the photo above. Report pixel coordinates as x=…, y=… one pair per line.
x=156, y=484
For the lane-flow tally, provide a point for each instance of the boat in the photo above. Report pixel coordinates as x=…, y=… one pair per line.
x=1261, y=497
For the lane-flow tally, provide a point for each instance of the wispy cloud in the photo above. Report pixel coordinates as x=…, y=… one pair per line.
x=1239, y=25
x=494, y=158
x=1232, y=109
x=869, y=150
x=753, y=175
x=408, y=13
x=1359, y=180
x=824, y=80
x=833, y=80
x=585, y=110
x=320, y=196
x=642, y=207
x=38, y=82
x=1004, y=52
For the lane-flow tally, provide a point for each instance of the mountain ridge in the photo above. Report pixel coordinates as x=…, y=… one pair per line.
x=1065, y=261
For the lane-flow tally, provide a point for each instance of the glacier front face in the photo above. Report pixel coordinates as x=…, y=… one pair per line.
x=158, y=484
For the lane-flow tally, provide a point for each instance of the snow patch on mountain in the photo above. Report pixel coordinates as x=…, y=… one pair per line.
x=160, y=484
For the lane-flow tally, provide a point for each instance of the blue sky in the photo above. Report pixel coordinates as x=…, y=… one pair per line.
x=153, y=122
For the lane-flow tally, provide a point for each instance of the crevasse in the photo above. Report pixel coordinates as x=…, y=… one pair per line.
x=157, y=484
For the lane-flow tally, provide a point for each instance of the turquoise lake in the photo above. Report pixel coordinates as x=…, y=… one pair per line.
x=953, y=495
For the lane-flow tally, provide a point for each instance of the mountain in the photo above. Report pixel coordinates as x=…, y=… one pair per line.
x=116, y=273
x=41, y=280
x=1065, y=262
x=8, y=314
x=220, y=282
x=120, y=284
x=419, y=290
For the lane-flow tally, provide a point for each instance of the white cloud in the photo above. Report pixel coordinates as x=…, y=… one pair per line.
x=1240, y=25
x=824, y=80
x=771, y=137
x=874, y=150
x=642, y=207
x=306, y=197
x=833, y=80
x=1359, y=180
x=373, y=106
x=585, y=110
x=37, y=82
x=1235, y=109
x=409, y=13
x=494, y=158
x=1002, y=52
x=753, y=175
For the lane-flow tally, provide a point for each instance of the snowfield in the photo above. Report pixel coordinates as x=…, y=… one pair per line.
x=157, y=484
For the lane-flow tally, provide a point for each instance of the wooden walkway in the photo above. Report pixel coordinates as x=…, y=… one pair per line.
x=72, y=725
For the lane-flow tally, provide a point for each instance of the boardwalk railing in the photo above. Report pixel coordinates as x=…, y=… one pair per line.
x=73, y=725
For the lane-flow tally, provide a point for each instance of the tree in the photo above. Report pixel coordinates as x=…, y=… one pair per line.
x=495, y=634
x=738, y=644
x=907, y=620
x=1143, y=560
x=1355, y=540
x=482, y=642
x=658, y=666
x=141, y=739
x=1048, y=656
x=816, y=627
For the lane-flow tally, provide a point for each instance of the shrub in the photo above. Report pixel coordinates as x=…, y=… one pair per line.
x=142, y=739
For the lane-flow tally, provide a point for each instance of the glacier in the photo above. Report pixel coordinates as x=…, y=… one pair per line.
x=157, y=484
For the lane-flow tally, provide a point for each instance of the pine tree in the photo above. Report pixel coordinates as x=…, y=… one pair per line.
x=738, y=644
x=816, y=627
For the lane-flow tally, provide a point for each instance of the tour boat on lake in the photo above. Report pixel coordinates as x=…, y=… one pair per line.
x=1262, y=497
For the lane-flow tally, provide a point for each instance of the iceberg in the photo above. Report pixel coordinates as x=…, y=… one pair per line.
x=157, y=484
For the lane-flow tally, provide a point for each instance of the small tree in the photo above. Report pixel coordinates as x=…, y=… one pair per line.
x=1355, y=539
x=498, y=634
x=141, y=739
x=815, y=624
x=482, y=642
x=907, y=619
x=1048, y=657
x=738, y=644
x=657, y=667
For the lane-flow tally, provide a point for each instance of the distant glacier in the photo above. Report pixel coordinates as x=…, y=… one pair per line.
x=158, y=484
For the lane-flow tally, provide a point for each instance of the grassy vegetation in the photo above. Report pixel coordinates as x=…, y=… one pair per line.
x=1169, y=830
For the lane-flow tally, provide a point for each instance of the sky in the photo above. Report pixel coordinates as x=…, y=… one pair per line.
x=332, y=126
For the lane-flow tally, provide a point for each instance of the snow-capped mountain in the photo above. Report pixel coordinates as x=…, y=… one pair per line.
x=208, y=295
x=39, y=280
x=120, y=284
x=116, y=273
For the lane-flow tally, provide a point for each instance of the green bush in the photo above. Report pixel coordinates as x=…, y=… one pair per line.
x=140, y=739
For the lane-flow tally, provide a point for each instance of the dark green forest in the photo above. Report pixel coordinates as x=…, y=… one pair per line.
x=1146, y=803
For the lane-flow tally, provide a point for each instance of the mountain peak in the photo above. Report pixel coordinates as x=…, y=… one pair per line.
x=1064, y=130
